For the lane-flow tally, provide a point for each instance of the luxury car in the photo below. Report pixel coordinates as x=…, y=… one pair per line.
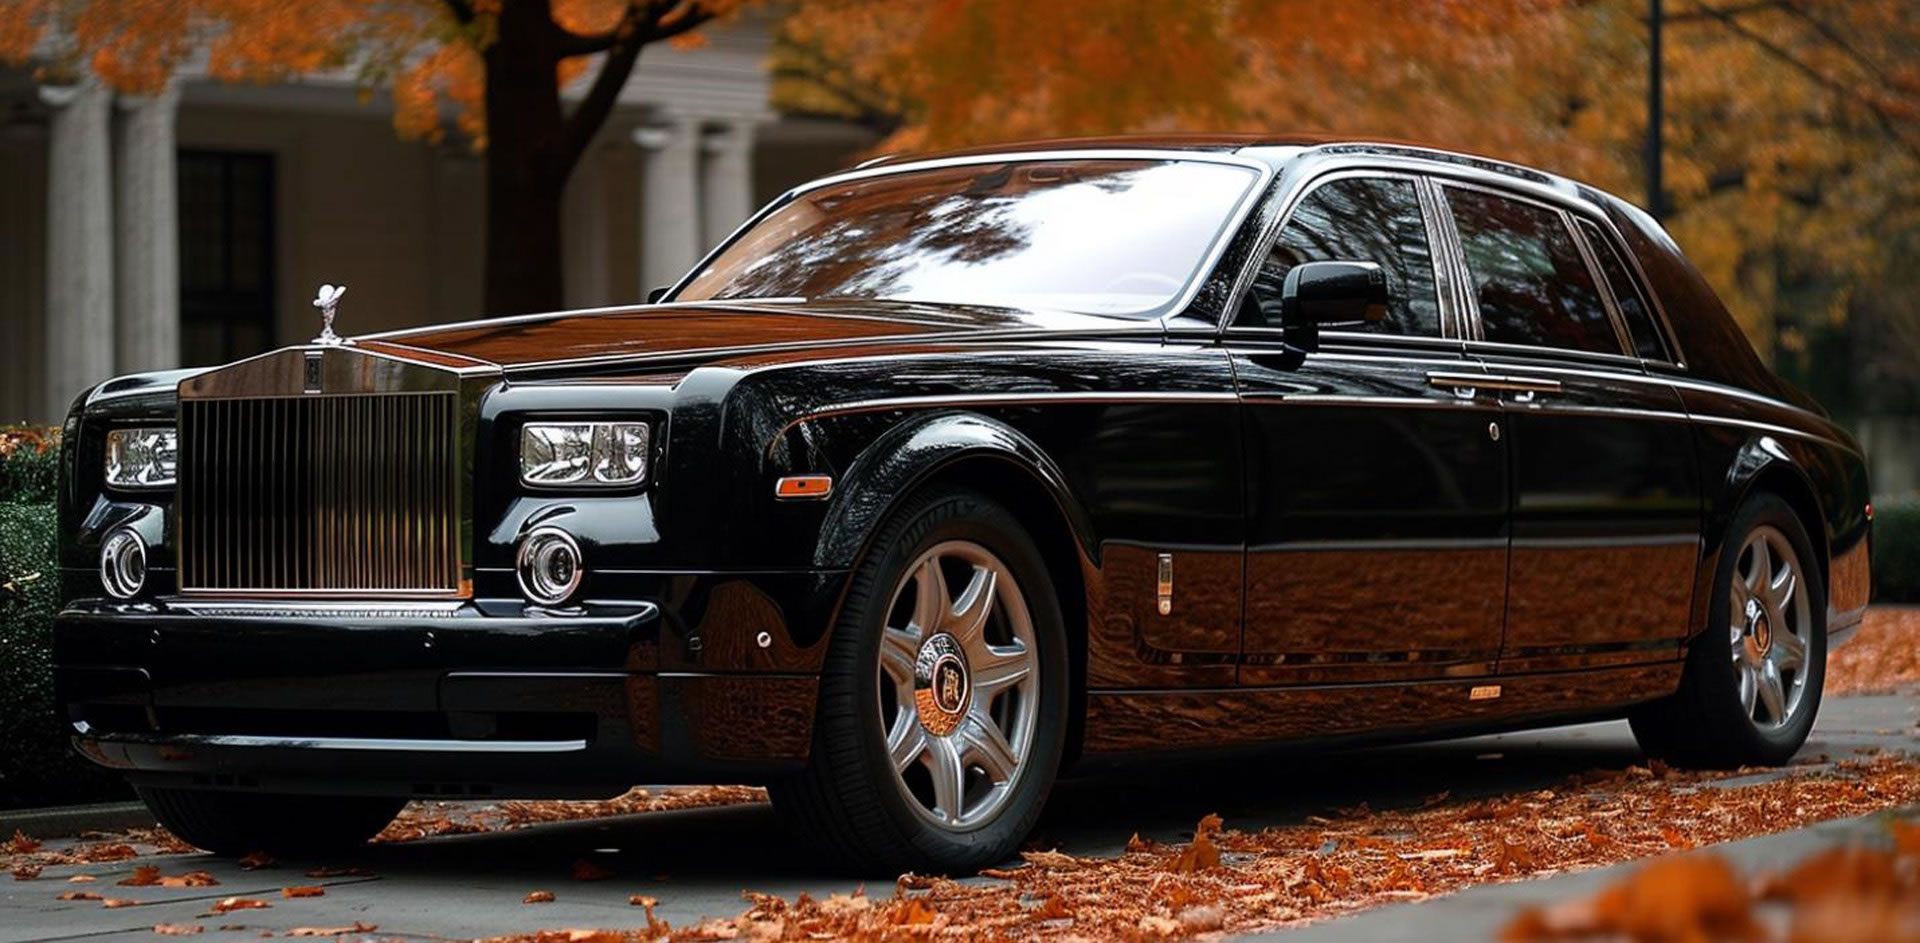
x=944, y=474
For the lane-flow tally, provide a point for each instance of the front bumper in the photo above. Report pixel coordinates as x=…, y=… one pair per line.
x=415, y=699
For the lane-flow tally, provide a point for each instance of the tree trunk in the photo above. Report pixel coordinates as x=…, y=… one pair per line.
x=527, y=163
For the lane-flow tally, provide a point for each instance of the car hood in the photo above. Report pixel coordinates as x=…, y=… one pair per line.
x=705, y=331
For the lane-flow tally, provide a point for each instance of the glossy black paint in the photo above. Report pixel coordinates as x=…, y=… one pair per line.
x=1355, y=546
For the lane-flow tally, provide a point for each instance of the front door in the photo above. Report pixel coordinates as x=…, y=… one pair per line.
x=1377, y=494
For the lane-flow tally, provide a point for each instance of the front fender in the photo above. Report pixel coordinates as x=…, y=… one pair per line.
x=896, y=463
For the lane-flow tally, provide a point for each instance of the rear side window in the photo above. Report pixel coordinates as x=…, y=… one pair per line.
x=1361, y=219
x=1627, y=295
x=1529, y=279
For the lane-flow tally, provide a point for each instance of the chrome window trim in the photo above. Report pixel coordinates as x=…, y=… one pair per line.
x=1251, y=197
x=1663, y=334
x=1626, y=351
x=1622, y=335
x=1243, y=282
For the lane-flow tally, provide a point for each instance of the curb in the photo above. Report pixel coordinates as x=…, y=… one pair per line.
x=67, y=821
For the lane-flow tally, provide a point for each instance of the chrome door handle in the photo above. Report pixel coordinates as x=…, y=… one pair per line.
x=1463, y=385
x=1469, y=382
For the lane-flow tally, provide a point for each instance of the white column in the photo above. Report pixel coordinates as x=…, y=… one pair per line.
x=669, y=202
x=79, y=244
x=147, y=335
x=726, y=179
x=584, y=222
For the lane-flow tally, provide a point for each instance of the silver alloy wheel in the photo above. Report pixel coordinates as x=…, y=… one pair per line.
x=959, y=684
x=1770, y=618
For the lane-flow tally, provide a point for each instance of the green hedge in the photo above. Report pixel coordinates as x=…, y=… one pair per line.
x=36, y=767
x=1896, y=552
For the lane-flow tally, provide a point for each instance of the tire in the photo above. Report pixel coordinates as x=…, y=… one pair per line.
x=241, y=823
x=1713, y=721
x=880, y=816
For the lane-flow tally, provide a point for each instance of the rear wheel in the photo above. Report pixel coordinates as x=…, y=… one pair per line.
x=1753, y=679
x=943, y=701
x=240, y=823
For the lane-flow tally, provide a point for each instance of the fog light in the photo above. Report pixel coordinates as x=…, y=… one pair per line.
x=548, y=565
x=123, y=563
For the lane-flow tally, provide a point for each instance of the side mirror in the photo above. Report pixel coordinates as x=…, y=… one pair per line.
x=655, y=294
x=1320, y=293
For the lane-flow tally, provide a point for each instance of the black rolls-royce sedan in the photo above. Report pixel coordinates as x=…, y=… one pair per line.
x=943, y=474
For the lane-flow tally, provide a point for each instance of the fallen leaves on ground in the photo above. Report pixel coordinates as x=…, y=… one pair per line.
x=427, y=819
x=538, y=897
x=332, y=872
x=1847, y=894
x=255, y=861
x=1883, y=655
x=1330, y=864
x=26, y=871
x=332, y=931
x=310, y=890
x=79, y=895
x=177, y=929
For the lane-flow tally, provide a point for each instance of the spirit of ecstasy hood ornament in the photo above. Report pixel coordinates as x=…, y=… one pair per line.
x=328, y=302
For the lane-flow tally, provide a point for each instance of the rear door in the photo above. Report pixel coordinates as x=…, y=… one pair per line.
x=1376, y=494
x=1606, y=501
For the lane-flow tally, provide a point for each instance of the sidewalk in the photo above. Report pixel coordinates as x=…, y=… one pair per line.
x=1480, y=912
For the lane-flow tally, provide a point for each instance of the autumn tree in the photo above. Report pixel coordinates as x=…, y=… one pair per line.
x=1792, y=126
x=499, y=66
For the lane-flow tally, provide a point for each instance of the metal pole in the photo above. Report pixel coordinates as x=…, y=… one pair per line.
x=1656, y=189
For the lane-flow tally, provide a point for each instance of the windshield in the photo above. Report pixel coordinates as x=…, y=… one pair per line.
x=1114, y=237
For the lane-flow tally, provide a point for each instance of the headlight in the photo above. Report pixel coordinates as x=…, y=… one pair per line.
x=141, y=458
x=583, y=454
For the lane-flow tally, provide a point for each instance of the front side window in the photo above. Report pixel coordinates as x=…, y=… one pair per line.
x=1529, y=279
x=1360, y=219
x=1114, y=237
x=1626, y=294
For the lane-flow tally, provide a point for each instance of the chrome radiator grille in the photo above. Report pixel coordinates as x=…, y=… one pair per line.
x=319, y=494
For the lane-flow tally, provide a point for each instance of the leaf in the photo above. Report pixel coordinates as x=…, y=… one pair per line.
x=79, y=895
x=538, y=897
x=145, y=875
x=82, y=879
x=26, y=872
x=230, y=904
x=1200, y=854
x=309, y=890
x=333, y=931
x=256, y=861
x=177, y=929
x=112, y=903
x=20, y=844
x=912, y=912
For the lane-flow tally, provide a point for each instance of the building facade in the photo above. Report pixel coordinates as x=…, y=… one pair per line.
x=192, y=227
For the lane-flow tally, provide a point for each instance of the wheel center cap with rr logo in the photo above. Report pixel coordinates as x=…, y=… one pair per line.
x=942, y=689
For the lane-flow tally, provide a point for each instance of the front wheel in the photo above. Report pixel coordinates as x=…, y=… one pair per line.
x=1753, y=679
x=240, y=823
x=944, y=697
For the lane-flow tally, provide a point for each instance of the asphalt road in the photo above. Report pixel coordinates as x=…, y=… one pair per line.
x=697, y=862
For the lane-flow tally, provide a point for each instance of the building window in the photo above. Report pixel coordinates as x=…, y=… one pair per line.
x=226, y=256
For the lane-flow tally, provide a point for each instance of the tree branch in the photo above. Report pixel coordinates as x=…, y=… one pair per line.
x=592, y=111
x=1697, y=16
x=679, y=17
x=1780, y=53
x=1840, y=42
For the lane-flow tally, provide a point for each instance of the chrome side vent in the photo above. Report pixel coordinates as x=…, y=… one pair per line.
x=321, y=494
